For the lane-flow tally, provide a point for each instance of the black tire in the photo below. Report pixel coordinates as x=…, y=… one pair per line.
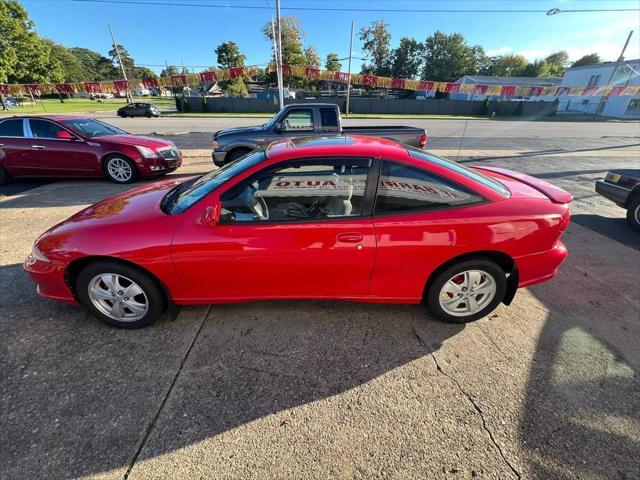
x=435, y=287
x=148, y=115
x=633, y=213
x=109, y=173
x=234, y=155
x=4, y=176
x=156, y=300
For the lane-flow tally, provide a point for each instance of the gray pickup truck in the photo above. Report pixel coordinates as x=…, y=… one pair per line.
x=303, y=120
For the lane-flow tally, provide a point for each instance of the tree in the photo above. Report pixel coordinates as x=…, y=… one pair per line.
x=127, y=60
x=535, y=69
x=143, y=72
x=72, y=69
x=448, y=57
x=24, y=56
x=237, y=88
x=97, y=66
x=229, y=56
x=376, y=43
x=508, y=65
x=332, y=63
x=407, y=58
x=292, y=35
x=169, y=71
x=312, y=58
x=556, y=64
x=590, y=59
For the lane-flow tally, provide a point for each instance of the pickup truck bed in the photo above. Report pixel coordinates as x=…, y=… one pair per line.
x=303, y=120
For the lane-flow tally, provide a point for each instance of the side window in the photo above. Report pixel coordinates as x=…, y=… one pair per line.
x=403, y=188
x=44, y=128
x=298, y=121
x=328, y=119
x=299, y=191
x=12, y=128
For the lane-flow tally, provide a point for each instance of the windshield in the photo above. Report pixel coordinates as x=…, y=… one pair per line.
x=456, y=167
x=203, y=186
x=92, y=128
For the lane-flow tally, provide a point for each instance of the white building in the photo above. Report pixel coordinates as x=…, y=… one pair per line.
x=618, y=106
x=496, y=80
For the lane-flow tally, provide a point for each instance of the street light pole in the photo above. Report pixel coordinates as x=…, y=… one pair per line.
x=346, y=112
x=124, y=74
x=279, y=57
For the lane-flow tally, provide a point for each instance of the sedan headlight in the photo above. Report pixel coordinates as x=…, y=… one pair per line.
x=146, y=152
x=38, y=255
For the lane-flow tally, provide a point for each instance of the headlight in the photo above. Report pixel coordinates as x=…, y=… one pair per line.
x=214, y=145
x=38, y=255
x=146, y=152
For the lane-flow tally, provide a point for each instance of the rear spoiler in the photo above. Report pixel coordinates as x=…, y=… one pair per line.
x=555, y=194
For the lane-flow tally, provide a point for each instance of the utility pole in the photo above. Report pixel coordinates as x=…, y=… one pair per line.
x=124, y=75
x=173, y=94
x=279, y=57
x=613, y=73
x=346, y=112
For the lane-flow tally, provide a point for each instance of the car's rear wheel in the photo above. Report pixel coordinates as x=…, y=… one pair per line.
x=4, y=176
x=466, y=291
x=120, y=295
x=633, y=214
x=236, y=154
x=120, y=169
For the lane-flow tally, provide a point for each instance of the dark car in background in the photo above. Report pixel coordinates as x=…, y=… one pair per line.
x=623, y=187
x=64, y=146
x=139, y=109
x=304, y=120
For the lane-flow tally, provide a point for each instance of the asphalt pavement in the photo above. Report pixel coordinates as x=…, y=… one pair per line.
x=548, y=388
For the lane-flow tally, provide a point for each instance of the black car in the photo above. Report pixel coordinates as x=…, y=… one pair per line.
x=623, y=188
x=139, y=110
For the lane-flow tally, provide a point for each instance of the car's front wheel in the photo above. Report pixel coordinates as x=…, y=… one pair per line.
x=120, y=295
x=120, y=169
x=4, y=176
x=633, y=214
x=466, y=291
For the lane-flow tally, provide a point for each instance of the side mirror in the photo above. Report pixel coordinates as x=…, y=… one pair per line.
x=278, y=127
x=64, y=135
x=211, y=215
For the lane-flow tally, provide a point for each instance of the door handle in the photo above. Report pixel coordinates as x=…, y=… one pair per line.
x=350, y=237
x=38, y=147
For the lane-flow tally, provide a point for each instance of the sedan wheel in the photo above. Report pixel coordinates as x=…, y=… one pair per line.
x=120, y=295
x=120, y=170
x=466, y=291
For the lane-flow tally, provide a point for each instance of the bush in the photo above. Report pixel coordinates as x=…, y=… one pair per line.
x=237, y=88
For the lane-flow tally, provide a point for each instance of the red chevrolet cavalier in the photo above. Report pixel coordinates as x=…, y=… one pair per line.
x=353, y=218
x=62, y=146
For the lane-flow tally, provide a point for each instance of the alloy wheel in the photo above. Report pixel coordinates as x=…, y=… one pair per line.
x=120, y=169
x=467, y=293
x=118, y=297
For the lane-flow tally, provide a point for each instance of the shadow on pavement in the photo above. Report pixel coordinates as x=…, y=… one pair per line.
x=581, y=414
x=615, y=228
x=78, y=396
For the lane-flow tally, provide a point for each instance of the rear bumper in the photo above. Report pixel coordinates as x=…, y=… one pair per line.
x=615, y=193
x=49, y=278
x=540, y=267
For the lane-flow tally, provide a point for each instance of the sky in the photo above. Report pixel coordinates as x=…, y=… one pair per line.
x=154, y=34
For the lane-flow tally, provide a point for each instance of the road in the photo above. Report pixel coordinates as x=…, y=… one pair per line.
x=546, y=388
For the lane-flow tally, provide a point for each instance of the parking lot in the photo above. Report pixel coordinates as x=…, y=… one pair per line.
x=546, y=388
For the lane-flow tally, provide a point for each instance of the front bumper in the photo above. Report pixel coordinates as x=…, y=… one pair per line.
x=150, y=167
x=218, y=158
x=50, y=279
x=613, y=192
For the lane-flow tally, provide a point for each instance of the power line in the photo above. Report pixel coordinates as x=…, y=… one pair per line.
x=353, y=9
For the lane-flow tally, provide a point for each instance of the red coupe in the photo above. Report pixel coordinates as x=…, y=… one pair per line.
x=355, y=218
x=80, y=147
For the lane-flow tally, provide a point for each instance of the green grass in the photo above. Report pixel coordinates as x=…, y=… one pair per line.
x=82, y=105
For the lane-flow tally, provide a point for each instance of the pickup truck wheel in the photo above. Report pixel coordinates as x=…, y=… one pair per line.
x=234, y=155
x=633, y=214
x=466, y=291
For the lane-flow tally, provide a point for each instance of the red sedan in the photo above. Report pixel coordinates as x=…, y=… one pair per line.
x=80, y=147
x=355, y=218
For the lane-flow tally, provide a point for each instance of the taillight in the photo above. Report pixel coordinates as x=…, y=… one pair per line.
x=423, y=140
